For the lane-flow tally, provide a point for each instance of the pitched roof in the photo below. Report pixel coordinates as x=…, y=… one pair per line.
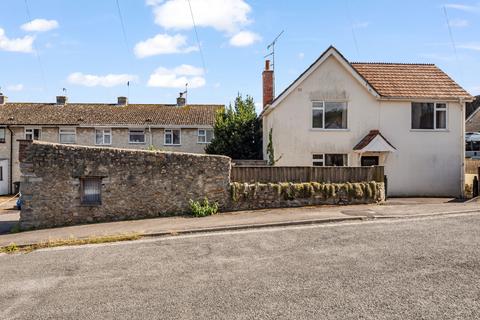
x=409, y=80
x=107, y=114
x=369, y=138
x=473, y=122
x=390, y=80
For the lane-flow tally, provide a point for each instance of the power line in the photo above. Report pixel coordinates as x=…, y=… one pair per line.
x=353, y=29
x=123, y=25
x=196, y=35
x=452, y=40
x=42, y=72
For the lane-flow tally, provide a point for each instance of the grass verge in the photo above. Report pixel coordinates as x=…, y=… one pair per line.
x=13, y=248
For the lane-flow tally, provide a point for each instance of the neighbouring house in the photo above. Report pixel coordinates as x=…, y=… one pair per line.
x=472, y=128
x=409, y=118
x=169, y=127
x=472, y=107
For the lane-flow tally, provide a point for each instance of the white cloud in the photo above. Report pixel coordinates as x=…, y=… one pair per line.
x=163, y=44
x=15, y=87
x=223, y=15
x=301, y=55
x=459, y=23
x=15, y=45
x=177, y=77
x=244, y=38
x=470, y=46
x=109, y=80
x=40, y=25
x=463, y=7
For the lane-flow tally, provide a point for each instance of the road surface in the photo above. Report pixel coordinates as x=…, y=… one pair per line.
x=419, y=268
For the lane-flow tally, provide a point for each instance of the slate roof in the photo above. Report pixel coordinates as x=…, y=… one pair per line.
x=473, y=122
x=409, y=80
x=107, y=114
x=369, y=138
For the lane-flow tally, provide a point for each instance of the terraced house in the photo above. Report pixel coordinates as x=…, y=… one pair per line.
x=169, y=127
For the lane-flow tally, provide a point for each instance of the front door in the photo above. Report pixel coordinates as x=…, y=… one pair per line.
x=367, y=161
x=3, y=177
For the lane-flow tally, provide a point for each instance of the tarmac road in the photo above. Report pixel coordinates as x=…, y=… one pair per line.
x=419, y=268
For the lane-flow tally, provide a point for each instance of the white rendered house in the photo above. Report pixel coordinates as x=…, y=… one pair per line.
x=408, y=118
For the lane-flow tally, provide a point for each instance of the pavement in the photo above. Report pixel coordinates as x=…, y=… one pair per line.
x=393, y=208
x=415, y=268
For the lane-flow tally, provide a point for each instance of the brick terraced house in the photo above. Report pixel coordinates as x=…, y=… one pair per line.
x=169, y=127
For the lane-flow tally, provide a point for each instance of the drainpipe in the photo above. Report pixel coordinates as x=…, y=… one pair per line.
x=10, y=164
x=462, y=148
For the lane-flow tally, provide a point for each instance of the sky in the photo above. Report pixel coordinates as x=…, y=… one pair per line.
x=92, y=48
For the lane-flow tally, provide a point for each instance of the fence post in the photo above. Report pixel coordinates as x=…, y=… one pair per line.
x=475, y=187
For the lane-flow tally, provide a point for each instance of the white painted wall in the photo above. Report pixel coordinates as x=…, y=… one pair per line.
x=425, y=163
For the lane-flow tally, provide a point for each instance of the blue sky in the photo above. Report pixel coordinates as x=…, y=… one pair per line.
x=81, y=46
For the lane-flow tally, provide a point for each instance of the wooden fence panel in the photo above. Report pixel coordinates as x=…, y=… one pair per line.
x=471, y=166
x=306, y=174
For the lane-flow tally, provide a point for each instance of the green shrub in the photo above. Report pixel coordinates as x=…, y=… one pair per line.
x=203, y=208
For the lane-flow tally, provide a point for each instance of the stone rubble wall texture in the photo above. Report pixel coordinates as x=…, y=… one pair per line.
x=145, y=184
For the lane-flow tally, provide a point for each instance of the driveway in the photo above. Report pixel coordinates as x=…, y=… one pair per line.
x=416, y=268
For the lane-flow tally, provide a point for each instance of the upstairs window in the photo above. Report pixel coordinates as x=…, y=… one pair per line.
x=33, y=133
x=2, y=135
x=429, y=115
x=329, y=115
x=91, y=191
x=136, y=136
x=172, y=137
x=330, y=160
x=67, y=135
x=205, y=135
x=103, y=136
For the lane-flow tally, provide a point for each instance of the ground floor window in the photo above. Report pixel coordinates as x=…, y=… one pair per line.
x=68, y=135
x=205, y=135
x=329, y=160
x=136, y=136
x=91, y=191
x=172, y=137
x=33, y=133
x=103, y=136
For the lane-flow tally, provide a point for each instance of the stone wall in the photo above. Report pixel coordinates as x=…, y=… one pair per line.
x=144, y=184
x=245, y=196
x=135, y=184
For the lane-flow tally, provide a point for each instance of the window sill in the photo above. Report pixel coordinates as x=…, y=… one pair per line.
x=103, y=145
x=136, y=142
x=172, y=145
x=429, y=130
x=203, y=142
x=329, y=130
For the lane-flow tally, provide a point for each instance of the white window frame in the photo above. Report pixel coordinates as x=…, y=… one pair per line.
x=323, y=113
x=435, y=108
x=323, y=160
x=60, y=133
x=31, y=130
x=170, y=131
x=103, y=136
x=137, y=130
x=204, y=135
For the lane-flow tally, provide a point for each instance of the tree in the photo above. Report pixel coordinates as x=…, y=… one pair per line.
x=237, y=131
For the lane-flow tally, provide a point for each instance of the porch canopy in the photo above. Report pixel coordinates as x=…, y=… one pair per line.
x=374, y=142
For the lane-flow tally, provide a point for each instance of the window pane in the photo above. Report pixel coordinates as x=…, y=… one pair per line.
x=137, y=136
x=318, y=156
x=441, y=119
x=318, y=163
x=67, y=138
x=36, y=134
x=317, y=118
x=422, y=115
x=107, y=137
x=91, y=190
x=337, y=160
x=98, y=137
x=168, y=137
x=176, y=136
x=202, y=139
x=335, y=115
x=209, y=135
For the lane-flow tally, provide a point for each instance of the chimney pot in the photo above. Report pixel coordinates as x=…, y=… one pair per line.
x=268, y=84
x=3, y=99
x=122, y=101
x=62, y=100
x=181, y=101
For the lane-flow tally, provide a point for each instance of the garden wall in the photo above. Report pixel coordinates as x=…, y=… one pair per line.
x=134, y=184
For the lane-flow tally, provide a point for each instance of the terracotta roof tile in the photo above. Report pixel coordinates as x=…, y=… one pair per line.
x=397, y=80
x=369, y=138
x=106, y=114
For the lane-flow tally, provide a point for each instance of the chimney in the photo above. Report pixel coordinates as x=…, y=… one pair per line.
x=3, y=99
x=268, y=89
x=181, y=100
x=62, y=100
x=122, y=101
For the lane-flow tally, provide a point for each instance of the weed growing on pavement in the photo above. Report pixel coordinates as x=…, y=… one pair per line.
x=203, y=208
